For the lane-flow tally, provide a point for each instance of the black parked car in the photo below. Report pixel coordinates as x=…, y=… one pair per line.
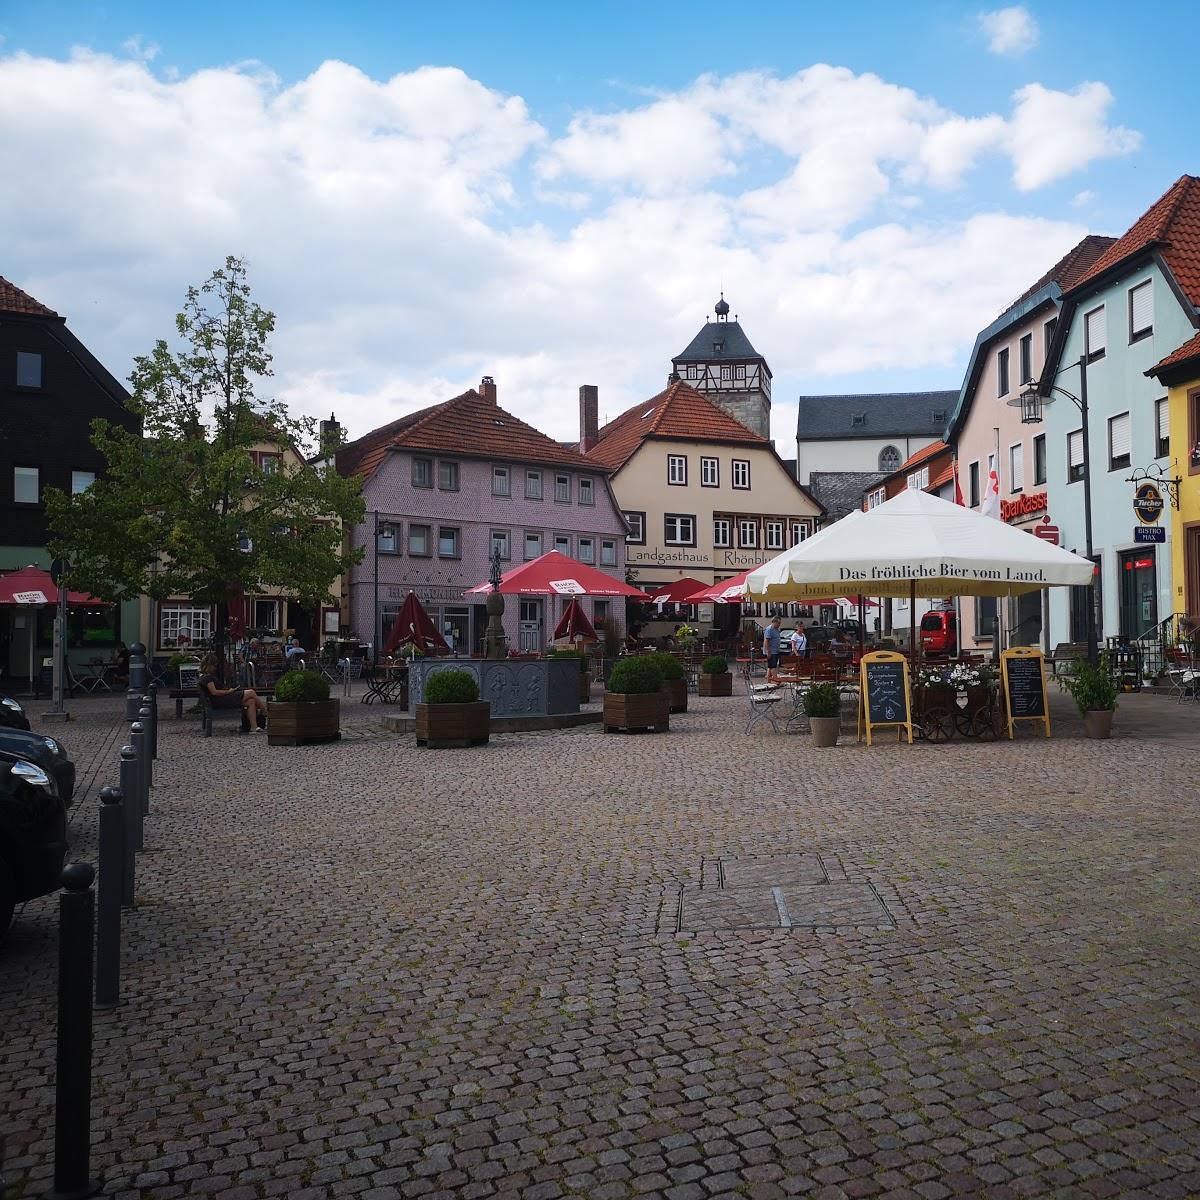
x=12, y=715
x=45, y=752
x=33, y=834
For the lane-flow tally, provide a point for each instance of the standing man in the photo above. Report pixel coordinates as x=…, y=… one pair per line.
x=771, y=639
x=799, y=642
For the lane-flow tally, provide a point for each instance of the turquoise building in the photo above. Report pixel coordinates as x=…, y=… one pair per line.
x=1138, y=302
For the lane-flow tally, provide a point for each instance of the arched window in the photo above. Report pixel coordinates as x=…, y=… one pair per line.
x=889, y=459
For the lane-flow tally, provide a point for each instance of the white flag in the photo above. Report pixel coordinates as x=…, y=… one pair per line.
x=991, y=494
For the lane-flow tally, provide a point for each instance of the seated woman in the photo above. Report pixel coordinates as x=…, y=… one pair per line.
x=254, y=708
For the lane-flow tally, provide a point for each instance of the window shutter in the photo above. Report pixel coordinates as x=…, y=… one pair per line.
x=1118, y=434
x=1016, y=464
x=1075, y=448
x=1164, y=420
x=1141, y=308
x=1095, y=331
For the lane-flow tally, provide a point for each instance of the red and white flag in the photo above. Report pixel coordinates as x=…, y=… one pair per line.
x=958, y=496
x=991, y=494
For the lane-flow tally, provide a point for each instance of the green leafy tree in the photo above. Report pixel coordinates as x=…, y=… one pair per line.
x=184, y=509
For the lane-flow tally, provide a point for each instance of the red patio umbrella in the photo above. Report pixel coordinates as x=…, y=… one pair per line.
x=32, y=585
x=676, y=592
x=554, y=574
x=574, y=625
x=725, y=591
x=414, y=626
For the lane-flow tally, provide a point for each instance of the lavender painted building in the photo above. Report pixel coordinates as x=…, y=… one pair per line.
x=446, y=484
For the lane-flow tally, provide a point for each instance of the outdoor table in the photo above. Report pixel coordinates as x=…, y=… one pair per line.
x=386, y=684
x=93, y=676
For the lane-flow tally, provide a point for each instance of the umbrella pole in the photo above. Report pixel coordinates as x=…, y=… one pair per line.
x=862, y=621
x=912, y=619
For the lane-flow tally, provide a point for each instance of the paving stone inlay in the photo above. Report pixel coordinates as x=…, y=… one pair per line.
x=368, y=970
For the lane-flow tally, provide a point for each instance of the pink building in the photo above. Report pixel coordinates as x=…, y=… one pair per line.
x=445, y=485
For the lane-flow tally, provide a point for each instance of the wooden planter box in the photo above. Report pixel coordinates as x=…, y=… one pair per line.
x=676, y=691
x=650, y=711
x=441, y=726
x=296, y=724
x=717, y=685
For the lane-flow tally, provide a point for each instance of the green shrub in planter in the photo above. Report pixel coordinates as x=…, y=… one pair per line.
x=451, y=687
x=668, y=664
x=714, y=665
x=566, y=652
x=823, y=700
x=300, y=687
x=1093, y=688
x=636, y=676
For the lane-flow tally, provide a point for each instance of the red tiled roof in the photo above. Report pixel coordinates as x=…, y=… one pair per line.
x=1071, y=268
x=678, y=412
x=922, y=455
x=1190, y=349
x=1172, y=222
x=469, y=426
x=13, y=300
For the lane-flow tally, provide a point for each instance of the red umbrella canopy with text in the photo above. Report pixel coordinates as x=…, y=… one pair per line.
x=414, y=626
x=32, y=585
x=555, y=574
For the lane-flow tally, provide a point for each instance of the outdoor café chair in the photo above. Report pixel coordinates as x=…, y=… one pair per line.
x=763, y=699
x=1182, y=675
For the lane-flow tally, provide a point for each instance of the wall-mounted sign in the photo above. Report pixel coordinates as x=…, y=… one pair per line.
x=1147, y=503
x=1046, y=531
x=1149, y=533
x=1023, y=506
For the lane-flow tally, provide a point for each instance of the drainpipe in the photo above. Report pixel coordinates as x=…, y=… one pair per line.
x=376, y=625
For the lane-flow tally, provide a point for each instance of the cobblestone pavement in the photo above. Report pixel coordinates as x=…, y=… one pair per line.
x=689, y=965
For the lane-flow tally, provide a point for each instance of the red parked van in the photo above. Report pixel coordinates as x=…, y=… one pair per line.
x=939, y=632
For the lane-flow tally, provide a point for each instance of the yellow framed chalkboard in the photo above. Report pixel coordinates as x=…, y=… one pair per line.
x=885, y=699
x=1023, y=677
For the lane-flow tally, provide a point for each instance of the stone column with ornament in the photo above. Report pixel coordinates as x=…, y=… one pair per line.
x=496, y=640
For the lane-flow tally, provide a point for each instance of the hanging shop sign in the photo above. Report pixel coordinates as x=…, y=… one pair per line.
x=1149, y=533
x=1147, y=503
x=1023, y=506
x=1046, y=531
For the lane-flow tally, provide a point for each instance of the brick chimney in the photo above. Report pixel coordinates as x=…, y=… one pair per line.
x=589, y=417
x=330, y=432
x=487, y=389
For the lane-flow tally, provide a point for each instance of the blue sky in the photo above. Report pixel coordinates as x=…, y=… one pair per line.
x=563, y=205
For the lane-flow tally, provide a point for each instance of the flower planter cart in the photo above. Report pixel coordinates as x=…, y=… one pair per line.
x=443, y=726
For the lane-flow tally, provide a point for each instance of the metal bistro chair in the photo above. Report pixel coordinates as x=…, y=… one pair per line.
x=764, y=697
x=1182, y=674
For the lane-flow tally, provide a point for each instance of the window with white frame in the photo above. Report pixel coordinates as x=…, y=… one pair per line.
x=562, y=543
x=502, y=542
x=1162, y=428
x=918, y=479
x=726, y=374
x=1075, y=456
x=81, y=481
x=739, y=372
x=748, y=535
x=876, y=498
x=266, y=614
x=1039, y=459
x=799, y=532
x=741, y=472
x=533, y=546
x=587, y=490
x=1016, y=467
x=677, y=469
x=1118, y=442
x=533, y=485
x=587, y=550
x=1141, y=311
x=562, y=489
x=26, y=485
x=501, y=481
x=774, y=535
x=710, y=472
x=693, y=372
x=722, y=532
x=637, y=527
x=418, y=540
x=183, y=623
x=679, y=529
x=1095, y=334
x=608, y=553
x=385, y=539
x=1048, y=334
x=600, y=611
x=1002, y=372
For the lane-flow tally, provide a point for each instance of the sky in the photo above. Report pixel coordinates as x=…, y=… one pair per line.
x=557, y=195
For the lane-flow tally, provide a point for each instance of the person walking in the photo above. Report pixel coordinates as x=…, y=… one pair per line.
x=771, y=641
x=799, y=642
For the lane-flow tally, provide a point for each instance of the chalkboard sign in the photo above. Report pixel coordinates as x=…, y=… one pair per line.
x=1024, y=677
x=883, y=685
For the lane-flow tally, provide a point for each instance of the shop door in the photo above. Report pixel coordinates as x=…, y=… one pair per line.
x=456, y=629
x=1139, y=592
x=1191, y=567
x=1027, y=620
x=531, y=626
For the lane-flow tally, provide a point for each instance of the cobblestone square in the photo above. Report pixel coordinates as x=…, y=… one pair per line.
x=366, y=969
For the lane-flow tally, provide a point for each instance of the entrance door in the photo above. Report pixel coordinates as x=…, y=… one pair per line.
x=1027, y=620
x=531, y=625
x=1139, y=592
x=1191, y=567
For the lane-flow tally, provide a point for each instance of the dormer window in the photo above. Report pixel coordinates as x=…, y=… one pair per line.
x=858, y=419
x=939, y=417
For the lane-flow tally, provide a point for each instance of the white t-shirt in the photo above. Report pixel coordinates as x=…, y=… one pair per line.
x=799, y=641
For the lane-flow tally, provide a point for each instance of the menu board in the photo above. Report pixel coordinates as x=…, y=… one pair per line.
x=883, y=685
x=1024, y=678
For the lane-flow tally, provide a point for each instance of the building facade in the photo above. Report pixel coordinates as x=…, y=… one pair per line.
x=51, y=389
x=446, y=485
x=703, y=496
x=722, y=365
x=986, y=432
x=1139, y=302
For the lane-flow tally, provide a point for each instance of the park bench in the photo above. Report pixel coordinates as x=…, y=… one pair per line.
x=1065, y=656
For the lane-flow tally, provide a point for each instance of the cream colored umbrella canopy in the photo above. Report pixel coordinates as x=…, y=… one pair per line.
x=917, y=545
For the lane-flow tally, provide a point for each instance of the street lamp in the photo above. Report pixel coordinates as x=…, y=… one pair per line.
x=1031, y=402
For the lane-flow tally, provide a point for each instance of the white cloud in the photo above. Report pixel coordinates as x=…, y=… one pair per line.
x=137, y=48
x=1009, y=31
x=416, y=232
x=1080, y=199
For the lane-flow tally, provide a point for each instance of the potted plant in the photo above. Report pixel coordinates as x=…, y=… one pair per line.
x=635, y=698
x=674, y=683
x=302, y=711
x=1095, y=692
x=715, y=679
x=823, y=704
x=452, y=713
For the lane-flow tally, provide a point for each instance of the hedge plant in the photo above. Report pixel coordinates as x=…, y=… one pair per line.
x=637, y=676
x=451, y=687
x=714, y=665
x=301, y=687
x=668, y=664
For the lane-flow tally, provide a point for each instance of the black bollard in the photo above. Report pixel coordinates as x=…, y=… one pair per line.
x=137, y=739
x=152, y=700
x=146, y=717
x=111, y=891
x=73, y=1074
x=139, y=677
x=133, y=821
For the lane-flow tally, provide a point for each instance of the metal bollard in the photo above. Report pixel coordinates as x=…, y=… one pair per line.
x=152, y=699
x=133, y=819
x=146, y=717
x=137, y=739
x=73, y=1074
x=139, y=677
x=111, y=889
